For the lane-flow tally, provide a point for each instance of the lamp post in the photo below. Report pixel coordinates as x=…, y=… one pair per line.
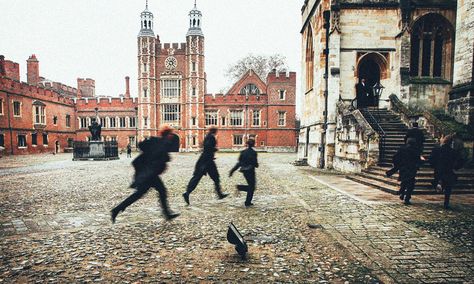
x=378, y=90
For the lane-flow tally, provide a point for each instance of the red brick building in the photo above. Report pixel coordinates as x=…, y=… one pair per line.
x=172, y=90
x=46, y=116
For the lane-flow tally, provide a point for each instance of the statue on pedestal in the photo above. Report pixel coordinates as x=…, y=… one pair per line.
x=95, y=130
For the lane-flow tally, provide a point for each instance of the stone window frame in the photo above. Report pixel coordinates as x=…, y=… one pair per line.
x=250, y=89
x=238, y=140
x=233, y=119
x=68, y=120
x=34, y=139
x=45, y=139
x=254, y=112
x=171, y=87
x=281, y=118
x=211, y=117
x=82, y=122
x=20, y=104
x=171, y=113
x=132, y=122
x=112, y=122
x=435, y=29
x=280, y=93
x=122, y=122
x=39, y=113
x=22, y=145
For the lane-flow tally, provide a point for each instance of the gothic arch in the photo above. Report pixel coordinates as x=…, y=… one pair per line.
x=377, y=58
x=432, y=47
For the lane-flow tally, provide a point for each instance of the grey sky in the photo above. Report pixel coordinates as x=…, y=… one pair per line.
x=97, y=38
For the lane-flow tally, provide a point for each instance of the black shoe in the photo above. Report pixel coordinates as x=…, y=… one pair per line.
x=186, y=197
x=407, y=202
x=114, y=212
x=402, y=197
x=248, y=204
x=171, y=215
x=223, y=195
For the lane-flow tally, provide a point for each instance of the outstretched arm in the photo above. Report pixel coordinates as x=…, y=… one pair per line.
x=234, y=169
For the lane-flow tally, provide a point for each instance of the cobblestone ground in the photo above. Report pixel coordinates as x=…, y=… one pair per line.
x=55, y=227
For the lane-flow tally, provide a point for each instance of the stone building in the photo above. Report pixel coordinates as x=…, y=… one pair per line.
x=406, y=46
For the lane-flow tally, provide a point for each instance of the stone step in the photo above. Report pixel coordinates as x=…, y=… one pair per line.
x=424, y=175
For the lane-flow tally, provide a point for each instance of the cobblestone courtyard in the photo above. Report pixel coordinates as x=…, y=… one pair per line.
x=306, y=226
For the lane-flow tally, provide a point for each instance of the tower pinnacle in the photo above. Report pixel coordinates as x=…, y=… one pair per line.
x=195, y=17
x=146, y=23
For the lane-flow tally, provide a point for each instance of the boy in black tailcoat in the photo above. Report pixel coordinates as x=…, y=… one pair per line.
x=247, y=164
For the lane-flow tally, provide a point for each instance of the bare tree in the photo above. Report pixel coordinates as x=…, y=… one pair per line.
x=260, y=64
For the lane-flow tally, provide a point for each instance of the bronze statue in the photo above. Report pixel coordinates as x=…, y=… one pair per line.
x=95, y=130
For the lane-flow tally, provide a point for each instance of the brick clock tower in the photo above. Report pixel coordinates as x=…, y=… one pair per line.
x=172, y=82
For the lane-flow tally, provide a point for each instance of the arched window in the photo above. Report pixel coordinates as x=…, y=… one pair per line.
x=250, y=89
x=309, y=59
x=431, y=47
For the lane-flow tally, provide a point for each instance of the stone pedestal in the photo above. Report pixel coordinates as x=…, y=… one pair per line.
x=97, y=149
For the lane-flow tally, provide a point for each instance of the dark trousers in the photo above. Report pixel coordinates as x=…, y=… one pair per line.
x=250, y=188
x=447, y=193
x=141, y=190
x=129, y=154
x=406, y=188
x=211, y=170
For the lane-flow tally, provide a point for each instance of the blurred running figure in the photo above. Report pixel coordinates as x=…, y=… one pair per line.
x=148, y=166
x=206, y=165
x=247, y=164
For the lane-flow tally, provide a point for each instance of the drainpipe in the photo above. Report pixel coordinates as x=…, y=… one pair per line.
x=9, y=123
x=327, y=17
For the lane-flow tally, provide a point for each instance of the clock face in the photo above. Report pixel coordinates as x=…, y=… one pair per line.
x=171, y=63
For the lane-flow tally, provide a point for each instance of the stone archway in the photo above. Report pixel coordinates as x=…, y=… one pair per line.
x=372, y=67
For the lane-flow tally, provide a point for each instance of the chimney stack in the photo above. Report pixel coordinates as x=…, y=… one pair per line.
x=32, y=70
x=127, y=87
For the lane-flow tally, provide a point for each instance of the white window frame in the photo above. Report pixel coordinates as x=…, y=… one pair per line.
x=18, y=141
x=82, y=122
x=170, y=88
x=259, y=118
x=211, y=117
x=234, y=118
x=239, y=137
x=122, y=122
x=68, y=120
x=103, y=122
x=170, y=113
x=19, y=109
x=280, y=92
x=39, y=114
x=112, y=122
x=281, y=119
x=132, y=122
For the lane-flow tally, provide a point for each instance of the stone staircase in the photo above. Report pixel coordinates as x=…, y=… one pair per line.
x=394, y=129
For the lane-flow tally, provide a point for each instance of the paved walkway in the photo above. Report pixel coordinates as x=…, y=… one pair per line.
x=305, y=226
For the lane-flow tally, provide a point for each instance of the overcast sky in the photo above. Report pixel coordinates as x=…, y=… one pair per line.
x=97, y=38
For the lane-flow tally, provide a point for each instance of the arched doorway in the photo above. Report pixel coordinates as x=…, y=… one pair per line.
x=368, y=74
x=56, y=147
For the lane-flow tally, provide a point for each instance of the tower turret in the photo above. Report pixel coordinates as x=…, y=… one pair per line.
x=195, y=21
x=146, y=23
